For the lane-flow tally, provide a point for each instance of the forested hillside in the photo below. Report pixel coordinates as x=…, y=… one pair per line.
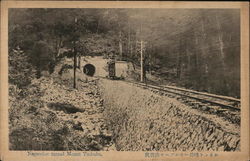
x=195, y=48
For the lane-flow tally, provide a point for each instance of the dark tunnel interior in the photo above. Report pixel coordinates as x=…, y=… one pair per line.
x=89, y=70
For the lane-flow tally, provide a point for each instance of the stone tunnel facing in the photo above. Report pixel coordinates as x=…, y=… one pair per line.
x=89, y=69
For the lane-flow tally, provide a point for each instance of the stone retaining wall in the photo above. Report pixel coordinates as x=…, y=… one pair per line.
x=142, y=120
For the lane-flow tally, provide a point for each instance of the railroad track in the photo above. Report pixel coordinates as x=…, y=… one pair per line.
x=211, y=99
x=222, y=106
x=224, y=102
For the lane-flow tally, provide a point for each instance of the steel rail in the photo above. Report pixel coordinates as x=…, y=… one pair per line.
x=205, y=94
x=161, y=88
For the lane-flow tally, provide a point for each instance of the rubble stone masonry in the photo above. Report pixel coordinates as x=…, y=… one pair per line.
x=143, y=120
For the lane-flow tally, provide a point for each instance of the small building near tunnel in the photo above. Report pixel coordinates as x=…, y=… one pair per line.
x=122, y=68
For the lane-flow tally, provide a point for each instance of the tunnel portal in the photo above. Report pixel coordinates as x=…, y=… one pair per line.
x=89, y=69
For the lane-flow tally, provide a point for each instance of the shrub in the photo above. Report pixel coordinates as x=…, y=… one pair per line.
x=20, y=70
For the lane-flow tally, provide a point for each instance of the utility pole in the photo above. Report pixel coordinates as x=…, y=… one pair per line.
x=129, y=41
x=75, y=53
x=120, y=44
x=141, y=52
x=142, y=61
x=142, y=48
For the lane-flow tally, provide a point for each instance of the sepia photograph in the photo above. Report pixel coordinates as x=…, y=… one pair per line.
x=149, y=80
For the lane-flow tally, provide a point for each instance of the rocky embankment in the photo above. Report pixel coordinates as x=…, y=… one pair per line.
x=142, y=120
x=109, y=115
x=54, y=116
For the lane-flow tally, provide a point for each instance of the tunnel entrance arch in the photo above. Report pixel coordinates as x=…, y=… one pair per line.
x=89, y=69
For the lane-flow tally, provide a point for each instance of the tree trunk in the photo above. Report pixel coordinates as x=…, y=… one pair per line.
x=129, y=40
x=79, y=62
x=179, y=62
x=97, y=28
x=74, y=83
x=221, y=44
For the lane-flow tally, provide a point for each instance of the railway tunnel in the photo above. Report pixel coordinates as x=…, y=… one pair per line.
x=97, y=66
x=89, y=70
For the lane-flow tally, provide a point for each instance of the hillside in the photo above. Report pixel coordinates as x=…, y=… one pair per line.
x=50, y=115
x=55, y=105
x=197, y=49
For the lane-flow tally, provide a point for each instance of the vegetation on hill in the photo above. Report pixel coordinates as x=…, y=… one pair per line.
x=196, y=48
